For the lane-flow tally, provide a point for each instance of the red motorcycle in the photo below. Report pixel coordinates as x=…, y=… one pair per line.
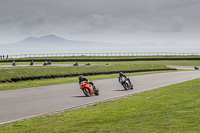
x=88, y=89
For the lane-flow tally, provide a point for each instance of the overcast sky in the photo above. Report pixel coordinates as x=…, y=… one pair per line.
x=119, y=21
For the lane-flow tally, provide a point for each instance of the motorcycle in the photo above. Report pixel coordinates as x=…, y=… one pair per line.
x=31, y=64
x=14, y=64
x=75, y=64
x=45, y=63
x=88, y=89
x=124, y=82
x=196, y=68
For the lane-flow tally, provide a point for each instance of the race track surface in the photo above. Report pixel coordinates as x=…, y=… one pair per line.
x=183, y=67
x=30, y=102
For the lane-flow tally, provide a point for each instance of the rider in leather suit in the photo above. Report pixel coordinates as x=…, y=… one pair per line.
x=123, y=75
x=81, y=79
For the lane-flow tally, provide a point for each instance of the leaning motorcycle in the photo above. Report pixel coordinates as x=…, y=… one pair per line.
x=124, y=82
x=88, y=89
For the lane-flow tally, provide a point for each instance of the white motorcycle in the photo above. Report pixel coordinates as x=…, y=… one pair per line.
x=125, y=83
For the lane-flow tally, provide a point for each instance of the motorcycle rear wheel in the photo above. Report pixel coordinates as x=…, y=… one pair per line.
x=125, y=85
x=86, y=92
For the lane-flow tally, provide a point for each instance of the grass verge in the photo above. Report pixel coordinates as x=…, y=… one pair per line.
x=174, y=108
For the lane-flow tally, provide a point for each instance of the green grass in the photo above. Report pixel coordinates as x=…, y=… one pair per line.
x=174, y=108
x=16, y=72
x=178, y=63
x=7, y=73
x=12, y=72
x=41, y=63
x=45, y=82
x=167, y=62
x=172, y=63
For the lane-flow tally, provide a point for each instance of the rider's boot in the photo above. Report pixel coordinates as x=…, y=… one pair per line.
x=131, y=86
x=94, y=88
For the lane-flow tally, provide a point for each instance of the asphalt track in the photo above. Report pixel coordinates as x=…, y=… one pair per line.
x=182, y=67
x=31, y=102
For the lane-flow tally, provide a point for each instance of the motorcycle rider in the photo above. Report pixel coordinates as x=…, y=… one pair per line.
x=14, y=63
x=31, y=64
x=123, y=75
x=81, y=79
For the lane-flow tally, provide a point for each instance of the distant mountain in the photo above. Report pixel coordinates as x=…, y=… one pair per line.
x=52, y=41
x=49, y=41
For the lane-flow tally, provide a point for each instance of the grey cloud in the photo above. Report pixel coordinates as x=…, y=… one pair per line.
x=32, y=23
x=39, y=19
x=93, y=23
x=177, y=25
x=167, y=25
x=172, y=4
x=6, y=20
x=132, y=25
x=100, y=22
x=91, y=17
x=40, y=22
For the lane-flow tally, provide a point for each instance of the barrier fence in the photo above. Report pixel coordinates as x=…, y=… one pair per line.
x=165, y=54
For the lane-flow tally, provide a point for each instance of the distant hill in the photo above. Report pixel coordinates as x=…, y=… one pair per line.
x=49, y=41
x=52, y=41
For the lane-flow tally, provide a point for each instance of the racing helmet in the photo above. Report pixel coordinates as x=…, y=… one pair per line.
x=120, y=73
x=80, y=77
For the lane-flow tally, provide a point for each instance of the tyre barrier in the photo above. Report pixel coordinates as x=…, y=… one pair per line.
x=75, y=75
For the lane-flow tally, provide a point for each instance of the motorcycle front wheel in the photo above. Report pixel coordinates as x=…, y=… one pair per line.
x=97, y=91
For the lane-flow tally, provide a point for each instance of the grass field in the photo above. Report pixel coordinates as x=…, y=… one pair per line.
x=11, y=72
x=167, y=62
x=174, y=108
x=45, y=82
x=14, y=72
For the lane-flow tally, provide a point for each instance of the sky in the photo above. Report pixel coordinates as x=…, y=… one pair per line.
x=117, y=21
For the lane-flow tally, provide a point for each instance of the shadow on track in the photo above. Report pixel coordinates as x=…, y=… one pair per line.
x=119, y=90
x=78, y=96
